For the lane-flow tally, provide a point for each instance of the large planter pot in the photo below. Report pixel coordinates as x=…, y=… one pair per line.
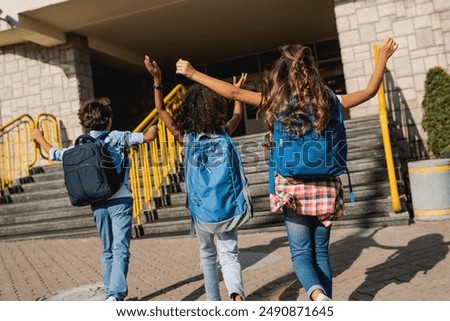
x=430, y=188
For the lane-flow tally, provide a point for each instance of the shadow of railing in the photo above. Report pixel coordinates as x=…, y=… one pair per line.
x=408, y=141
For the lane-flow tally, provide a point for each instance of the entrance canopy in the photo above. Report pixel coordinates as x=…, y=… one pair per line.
x=120, y=32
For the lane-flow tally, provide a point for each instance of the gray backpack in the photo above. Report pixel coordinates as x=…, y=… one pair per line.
x=90, y=173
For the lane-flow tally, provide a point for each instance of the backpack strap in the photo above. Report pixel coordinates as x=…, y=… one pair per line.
x=271, y=179
x=188, y=139
x=338, y=105
x=102, y=137
x=352, y=195
x=88, y=138
x=83, y=139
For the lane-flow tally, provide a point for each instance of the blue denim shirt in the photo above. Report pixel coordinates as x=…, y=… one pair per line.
x=118, y=141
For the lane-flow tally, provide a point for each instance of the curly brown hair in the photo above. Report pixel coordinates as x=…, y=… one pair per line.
x=201, y=110
x=294, y=89
x=96, y=113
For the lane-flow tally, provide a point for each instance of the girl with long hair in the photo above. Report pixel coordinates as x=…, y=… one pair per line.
x=294, y=94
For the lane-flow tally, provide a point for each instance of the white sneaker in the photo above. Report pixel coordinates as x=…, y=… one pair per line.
x=322, y=297
x=111, y=298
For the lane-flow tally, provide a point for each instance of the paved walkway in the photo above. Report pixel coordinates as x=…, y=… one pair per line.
x=391, y=263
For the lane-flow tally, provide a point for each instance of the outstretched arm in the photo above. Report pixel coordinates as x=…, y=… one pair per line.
x=387, y=48
x=151, y=134
x=233, y=123
x=40, y=139
x=221, y=87
x=154, y=70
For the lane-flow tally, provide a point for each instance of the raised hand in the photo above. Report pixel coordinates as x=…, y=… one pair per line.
x=387, y=48
x=241, y=81
x=152, y=67
x=185, y=68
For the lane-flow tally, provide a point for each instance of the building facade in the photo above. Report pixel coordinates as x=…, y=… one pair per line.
x=51, y=62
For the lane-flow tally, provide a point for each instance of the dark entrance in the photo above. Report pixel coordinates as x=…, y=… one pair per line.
x=128, y=92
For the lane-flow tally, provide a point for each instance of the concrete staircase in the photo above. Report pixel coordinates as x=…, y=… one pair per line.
x=42, y=209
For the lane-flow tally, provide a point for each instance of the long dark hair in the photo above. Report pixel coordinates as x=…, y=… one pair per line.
x=294, y=88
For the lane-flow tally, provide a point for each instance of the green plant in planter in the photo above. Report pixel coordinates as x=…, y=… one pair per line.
x=436, y=105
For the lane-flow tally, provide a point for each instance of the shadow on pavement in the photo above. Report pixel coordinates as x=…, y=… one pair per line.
x=419, y=255
x=342, y=255
x=248, y=257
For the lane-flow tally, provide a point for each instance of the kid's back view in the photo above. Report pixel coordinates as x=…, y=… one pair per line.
x=216, y=188
x=295, y=101
x=112, y=216
x=217, y=192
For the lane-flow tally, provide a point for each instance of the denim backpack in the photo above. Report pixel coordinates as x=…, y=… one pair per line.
x=217, y=192
x=90, y=171
x=310, y=155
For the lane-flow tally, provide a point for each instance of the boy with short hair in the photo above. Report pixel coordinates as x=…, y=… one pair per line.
x=113, y=216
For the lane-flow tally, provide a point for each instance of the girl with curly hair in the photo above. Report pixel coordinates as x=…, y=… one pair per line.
x=204, y=111
x=294, y=95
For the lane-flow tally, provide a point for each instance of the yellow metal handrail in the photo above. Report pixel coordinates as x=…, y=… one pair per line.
x=18, y=151
x=152, y=165
x=384, y=122
x=50, y=128
x=154, y=162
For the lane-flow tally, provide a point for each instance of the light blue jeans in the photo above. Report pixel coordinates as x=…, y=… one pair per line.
x=229, y=262
x=113, y=220
x=308, y=242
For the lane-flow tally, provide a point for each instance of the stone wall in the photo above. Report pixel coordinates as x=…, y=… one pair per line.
x=422, y=29
x=36, y=79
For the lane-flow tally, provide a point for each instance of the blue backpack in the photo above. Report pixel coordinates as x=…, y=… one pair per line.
x=312, y=154
x=218, y=195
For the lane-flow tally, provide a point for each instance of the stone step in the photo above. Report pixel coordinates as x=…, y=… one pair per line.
x=261, y=204
x=362, y=192
x=82, y=232
x=43, y=209
x=43, y=185
x=264, y=220
x=35, y=205
x=32, y=215
x=39, y=195
x=47, y=226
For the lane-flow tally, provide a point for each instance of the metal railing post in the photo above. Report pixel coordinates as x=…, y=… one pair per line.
x=384, y=122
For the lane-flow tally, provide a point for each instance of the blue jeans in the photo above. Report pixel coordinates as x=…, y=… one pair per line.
x=113, y=220
x=229, y=261
x=308, y=242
